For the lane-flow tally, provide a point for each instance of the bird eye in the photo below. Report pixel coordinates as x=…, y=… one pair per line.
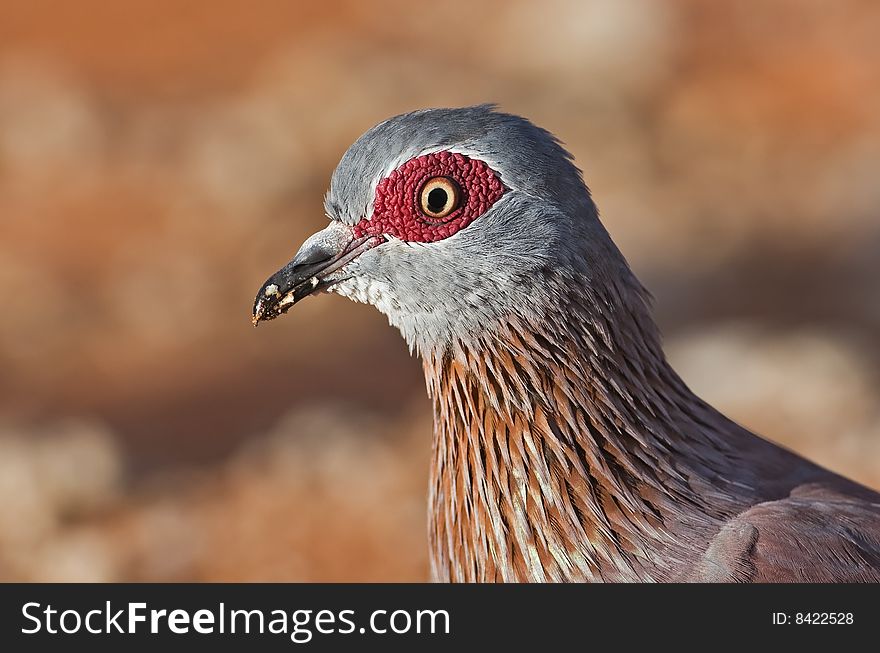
x=439, y=197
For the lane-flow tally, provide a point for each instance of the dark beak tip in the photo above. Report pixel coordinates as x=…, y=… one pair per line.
x=257, y=311
x=270, y=305
x=265, y=303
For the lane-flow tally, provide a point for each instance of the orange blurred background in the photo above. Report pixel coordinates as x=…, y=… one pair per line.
x=159, y=159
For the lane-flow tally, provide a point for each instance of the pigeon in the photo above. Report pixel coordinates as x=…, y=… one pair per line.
x=565, y=447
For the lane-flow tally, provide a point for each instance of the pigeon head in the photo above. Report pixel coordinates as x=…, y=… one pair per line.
x=448, y=221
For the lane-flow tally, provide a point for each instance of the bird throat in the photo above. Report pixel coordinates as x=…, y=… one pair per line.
x=557, y=450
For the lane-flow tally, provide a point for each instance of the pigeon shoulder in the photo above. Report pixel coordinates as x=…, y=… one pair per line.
x=822, y=532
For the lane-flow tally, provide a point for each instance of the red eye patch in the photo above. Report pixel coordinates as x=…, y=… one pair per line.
x=397, y=209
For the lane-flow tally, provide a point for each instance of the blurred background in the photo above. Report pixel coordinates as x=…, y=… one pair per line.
x=159, y=159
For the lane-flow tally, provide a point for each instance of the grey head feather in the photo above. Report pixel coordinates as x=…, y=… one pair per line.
x=527, y=157
x=495, y=268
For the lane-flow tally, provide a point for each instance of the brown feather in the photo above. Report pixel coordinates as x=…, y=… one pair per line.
x=569, y=450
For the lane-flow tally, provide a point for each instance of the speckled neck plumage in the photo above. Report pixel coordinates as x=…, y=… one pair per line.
x=562, y=448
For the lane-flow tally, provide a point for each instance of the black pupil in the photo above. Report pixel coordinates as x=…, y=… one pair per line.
x=437, y=199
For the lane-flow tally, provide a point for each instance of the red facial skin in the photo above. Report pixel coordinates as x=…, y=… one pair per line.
x=397, y=210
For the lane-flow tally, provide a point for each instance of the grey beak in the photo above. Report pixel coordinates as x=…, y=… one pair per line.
x=321, y=254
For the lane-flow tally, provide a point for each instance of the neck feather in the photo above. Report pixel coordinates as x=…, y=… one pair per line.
x=563, y=444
